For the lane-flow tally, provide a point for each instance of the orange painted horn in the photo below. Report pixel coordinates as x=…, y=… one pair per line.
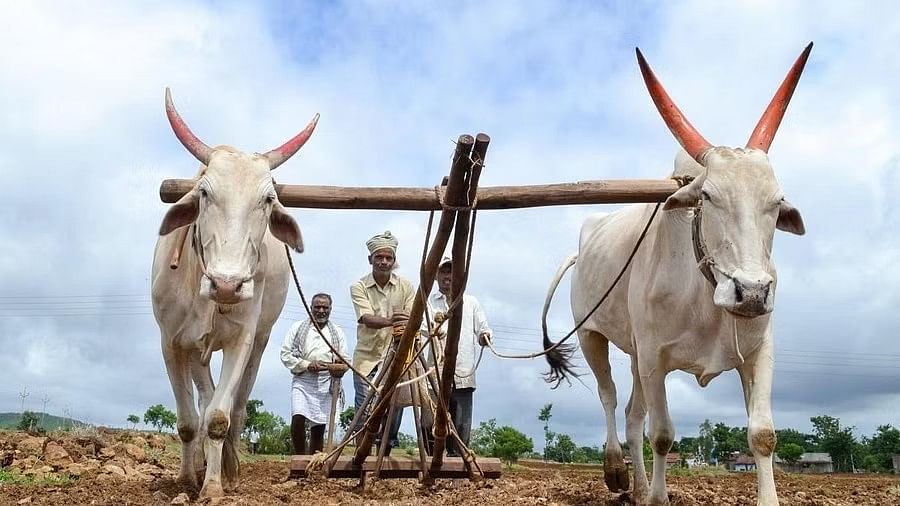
x=190, y=141
x=764, y=133
x=685, y=133
x=280, y=154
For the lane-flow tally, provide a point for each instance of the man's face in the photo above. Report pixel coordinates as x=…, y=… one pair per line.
x=382, y=260
x=444, y=278
x=321, y=310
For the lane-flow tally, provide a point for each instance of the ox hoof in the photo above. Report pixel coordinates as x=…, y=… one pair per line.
x=616, y=478
x=188, y=482
x=212, y=490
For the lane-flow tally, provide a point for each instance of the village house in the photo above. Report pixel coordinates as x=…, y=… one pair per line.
x=809, y=463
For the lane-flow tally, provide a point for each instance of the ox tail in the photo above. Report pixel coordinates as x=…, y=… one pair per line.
x=558, y=357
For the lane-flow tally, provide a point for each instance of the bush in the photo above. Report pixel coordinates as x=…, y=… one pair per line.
x=28, y=421
x=510, y=444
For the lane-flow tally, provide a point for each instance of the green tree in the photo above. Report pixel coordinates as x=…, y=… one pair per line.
x=346, y=417
x=549, y=436
x=28, y=421
x=252, y=420
x=561, y=450
x=133, y=420
x=484, y=437
x=406, y=441
x=586, y=454
x=705, y=441
x=838, y=442
x=791, y=452
x=160, y=417
x=807, y=441
x=880, y=447
x=510, y=444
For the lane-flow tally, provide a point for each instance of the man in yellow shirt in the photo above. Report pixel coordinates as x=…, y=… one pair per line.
x=381, y=300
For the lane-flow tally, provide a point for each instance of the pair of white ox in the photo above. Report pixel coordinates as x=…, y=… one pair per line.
x=669, y=315
x=226, y=294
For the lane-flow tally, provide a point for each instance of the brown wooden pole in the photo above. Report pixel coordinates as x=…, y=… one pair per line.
x=458, y=286
x=442, y=236
x=613, y=191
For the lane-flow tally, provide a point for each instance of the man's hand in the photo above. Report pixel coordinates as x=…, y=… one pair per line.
x=338, y=369
x=316, y=366
x=484, y=338
x=399, y=317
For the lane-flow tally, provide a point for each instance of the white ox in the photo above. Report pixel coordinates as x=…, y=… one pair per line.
x=226, y=294
x=669, y=315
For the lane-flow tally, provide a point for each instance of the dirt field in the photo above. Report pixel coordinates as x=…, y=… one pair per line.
x=138, y=468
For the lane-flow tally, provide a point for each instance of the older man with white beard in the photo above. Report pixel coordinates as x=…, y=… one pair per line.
x=316, y=369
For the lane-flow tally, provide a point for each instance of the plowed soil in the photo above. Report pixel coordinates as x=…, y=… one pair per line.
x=148, y=478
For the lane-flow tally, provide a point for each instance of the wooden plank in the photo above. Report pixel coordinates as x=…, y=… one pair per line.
x=613, y=191
x=399, y=467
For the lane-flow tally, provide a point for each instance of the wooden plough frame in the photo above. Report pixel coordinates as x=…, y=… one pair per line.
x=456, y=200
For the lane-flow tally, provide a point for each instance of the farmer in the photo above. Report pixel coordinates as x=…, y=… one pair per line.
x=474, y=333
x=317, y=374
x=382, y=301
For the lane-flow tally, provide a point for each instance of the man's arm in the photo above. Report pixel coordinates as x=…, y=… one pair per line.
x=295, y=364
x=481, y=324
x=364, y=312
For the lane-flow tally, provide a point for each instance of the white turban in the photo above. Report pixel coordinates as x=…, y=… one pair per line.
x=382, y=241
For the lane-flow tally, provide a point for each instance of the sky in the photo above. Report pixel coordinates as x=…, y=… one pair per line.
x=556, y=86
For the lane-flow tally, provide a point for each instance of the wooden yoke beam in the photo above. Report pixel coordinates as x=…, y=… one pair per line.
x=614, y=191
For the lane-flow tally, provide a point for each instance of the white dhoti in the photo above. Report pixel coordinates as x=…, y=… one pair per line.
x=311, y=396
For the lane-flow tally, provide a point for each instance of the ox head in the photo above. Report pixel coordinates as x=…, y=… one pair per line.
x=232, y=205
x=738, y=197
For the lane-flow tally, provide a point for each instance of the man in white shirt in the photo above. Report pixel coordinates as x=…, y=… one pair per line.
x=474, y=332
x=316, y=371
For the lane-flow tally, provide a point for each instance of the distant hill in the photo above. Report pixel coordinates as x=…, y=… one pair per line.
x=51, y=422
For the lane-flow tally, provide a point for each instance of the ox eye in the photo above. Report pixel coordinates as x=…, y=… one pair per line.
x=270, y=199
x=203, y=193
x=705, y=195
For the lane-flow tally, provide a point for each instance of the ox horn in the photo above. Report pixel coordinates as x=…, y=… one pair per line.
x=764, y=133
x=190, y=141
x=280, y=155
x=685, y=133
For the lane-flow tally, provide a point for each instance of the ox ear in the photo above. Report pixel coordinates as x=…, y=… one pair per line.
x=688, y=195
x=789, y=219
x=284, y=228
x=182, y=213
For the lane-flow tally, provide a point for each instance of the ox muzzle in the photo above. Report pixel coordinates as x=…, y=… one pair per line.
x=748, y=295
x=226, y=289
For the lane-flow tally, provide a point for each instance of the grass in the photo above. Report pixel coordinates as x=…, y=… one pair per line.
x=9, y=477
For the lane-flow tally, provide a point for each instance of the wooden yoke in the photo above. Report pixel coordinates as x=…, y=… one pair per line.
x=612, y=191
x=455, y=193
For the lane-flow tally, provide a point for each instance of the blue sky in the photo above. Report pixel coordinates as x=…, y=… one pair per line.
x=556, y=86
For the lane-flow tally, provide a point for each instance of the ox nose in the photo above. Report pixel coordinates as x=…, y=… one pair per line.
x=226, y=291
x=752, y=296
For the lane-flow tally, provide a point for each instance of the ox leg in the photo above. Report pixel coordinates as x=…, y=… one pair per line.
x=188, y=424
x=205, y=387
x=596, y=351
x=231, y=454
x=635, y=413
x=662, y=433
x=756, y=379
x=218, y=416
